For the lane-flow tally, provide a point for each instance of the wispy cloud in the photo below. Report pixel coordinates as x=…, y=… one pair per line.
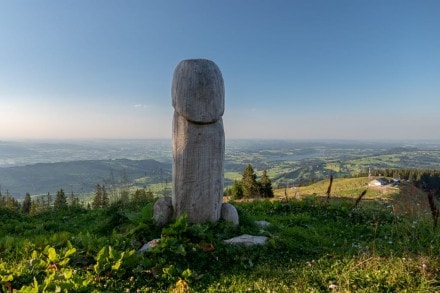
x=141, y=106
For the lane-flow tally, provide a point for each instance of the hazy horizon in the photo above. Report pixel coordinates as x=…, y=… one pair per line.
x=269, y=140
x=292, y=70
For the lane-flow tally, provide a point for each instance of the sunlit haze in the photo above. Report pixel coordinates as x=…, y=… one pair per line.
x=292, y=69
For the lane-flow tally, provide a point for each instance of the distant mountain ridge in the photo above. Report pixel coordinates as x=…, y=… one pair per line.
x=79, y=176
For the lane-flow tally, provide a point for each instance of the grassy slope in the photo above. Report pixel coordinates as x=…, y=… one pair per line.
x=341, y=187
x=313, y=246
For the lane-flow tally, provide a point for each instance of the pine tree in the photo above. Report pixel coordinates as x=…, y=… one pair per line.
x=8, y=201
x=37, y=206
x=105, y=201
x=74, y=200
x=249, y=182
x=60, y=200
x=125, y=197
x=265, y=185
x=140, y=195
x=27, y=202
x=97, y=200
x=49, y=200
x=34, y=208
x=236, y=190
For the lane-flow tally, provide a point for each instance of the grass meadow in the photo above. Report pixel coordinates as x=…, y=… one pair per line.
x=387, y=243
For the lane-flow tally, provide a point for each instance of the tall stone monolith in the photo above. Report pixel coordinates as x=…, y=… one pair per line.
x=198, y=98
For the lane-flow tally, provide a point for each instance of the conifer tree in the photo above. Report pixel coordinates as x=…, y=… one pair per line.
x=140, y=195
x=97, y=200
x=105, y=198
x=249, y=182
x=149, y=194
x=265, y=185
x=27, y=202
x=236, y=190
x=125, y=196
x=74, y=200
x=34, y=208
x=48, y=200
x=60, y=200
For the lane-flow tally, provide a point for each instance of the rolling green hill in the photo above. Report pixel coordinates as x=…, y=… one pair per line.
x=80, y=176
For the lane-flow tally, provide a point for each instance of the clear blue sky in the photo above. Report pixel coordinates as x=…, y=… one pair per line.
x=292, y=69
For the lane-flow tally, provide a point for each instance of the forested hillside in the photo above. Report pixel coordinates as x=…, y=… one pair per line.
x=80, y=176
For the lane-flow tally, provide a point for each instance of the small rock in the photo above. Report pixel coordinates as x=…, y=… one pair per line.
x=262, y=224
x=247, y=240
x=163, y=211
x=149, y=245
x=229, y=213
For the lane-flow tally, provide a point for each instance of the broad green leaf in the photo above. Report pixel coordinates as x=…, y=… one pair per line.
x=97, y=268
x=102, y=254
x=113, y=253
x=117, y=265
x=35, y=287
x=52, y=254
x=70, y=252
x=186, y=274
x=68, y=273
x=64, y=262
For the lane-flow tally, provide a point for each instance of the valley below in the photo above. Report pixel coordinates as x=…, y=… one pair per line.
x=41, y=167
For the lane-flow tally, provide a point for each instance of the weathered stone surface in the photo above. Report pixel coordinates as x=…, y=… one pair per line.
x=262, y=224
x=163, y=211
x=247, y=240
x=198, y=91
x=149, y=245
x=198, y=140
x=229, y=213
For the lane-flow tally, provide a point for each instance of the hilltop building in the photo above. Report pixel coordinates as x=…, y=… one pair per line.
x=379, y=182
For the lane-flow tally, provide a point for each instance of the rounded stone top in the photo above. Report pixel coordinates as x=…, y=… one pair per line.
x=198, y=92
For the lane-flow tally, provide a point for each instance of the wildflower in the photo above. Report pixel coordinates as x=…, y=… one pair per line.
x=181, y=286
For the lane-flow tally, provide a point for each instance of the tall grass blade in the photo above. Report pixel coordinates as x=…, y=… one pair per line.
x=433, y=207
x=358, y=200
x=329, y=189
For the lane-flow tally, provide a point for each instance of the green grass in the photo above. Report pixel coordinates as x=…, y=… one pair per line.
x=233, y=175
x=313, y=247
x=341, y=187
